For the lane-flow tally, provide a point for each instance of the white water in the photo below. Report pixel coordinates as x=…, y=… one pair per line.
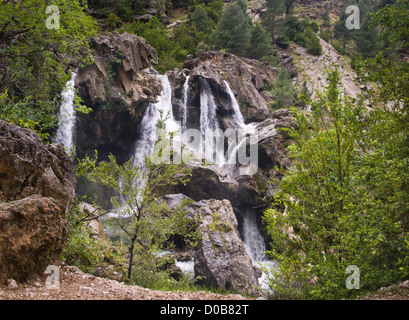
x=187, y=267
x=209, y=124
x=252, y=238
x=185, y=101
x=148, y=132
x=148, y=137
x=165, y=104
x=255, y=246
x=65, y=131
x=238, y=116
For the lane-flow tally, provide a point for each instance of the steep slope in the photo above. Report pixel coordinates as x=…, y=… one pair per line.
x=312, y=70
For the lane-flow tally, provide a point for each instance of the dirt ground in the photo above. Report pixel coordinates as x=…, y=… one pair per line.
x=76, y=285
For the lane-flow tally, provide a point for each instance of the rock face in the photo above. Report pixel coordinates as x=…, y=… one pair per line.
x=37, y=186
x=246, y=77
x=27, y=167
x=118, y=86
x=221, y=257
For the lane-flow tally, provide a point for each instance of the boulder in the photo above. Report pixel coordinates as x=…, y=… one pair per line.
x=32, y=235
x=37, y=187
x=221, y=257
x=27, y=167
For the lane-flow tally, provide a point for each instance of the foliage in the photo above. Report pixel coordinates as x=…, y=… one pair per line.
x=33, y=59
x=232, y=32
x=343, y=203
x=270, y=18
x=113, y=21
x=313, y=45
x=283, y=90
x=81, y=250
x=200, y=18
x=259, y=43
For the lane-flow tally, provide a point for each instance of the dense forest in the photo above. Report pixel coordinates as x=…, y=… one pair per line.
x=345, y=199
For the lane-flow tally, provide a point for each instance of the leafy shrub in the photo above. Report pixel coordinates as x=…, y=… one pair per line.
x=314, y=46
x=113, y=21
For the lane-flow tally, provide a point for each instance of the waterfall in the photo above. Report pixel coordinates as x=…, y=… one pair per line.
x=165, y=104
x=148, y=132
x=185, y=101
x=238, y=123
x=209, y=126
x=252, y=238
x=147, y=140
x=208, y=119
x=65, y=131
x=255, y=246
x=238, y=116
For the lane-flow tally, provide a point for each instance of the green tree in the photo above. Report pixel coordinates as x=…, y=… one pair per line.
x=243, y=6
x=283, y=90
x=271, y=20
x=334, y=208
x=260, y=42
x=34, y=58
x=200, y=18
x=313, y=45
x=366, y=40
x=232, y=32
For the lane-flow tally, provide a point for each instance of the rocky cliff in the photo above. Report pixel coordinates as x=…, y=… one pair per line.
x=37, y=187
x=118, y=86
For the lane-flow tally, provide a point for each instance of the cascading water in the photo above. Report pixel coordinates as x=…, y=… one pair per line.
x=238, y=123
x=165, y=104
x=185, y=101
x=65, y=131
x=237, y=116
x=252, y=238
x=209, y=124
x=254, y=243
x=149, y=136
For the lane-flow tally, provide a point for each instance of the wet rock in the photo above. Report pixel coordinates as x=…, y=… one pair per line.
x=118, y=86
x=221, y=257
x=246, y=77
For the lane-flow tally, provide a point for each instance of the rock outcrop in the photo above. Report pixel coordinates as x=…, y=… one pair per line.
x=118, y=86
x=222, y=258
x=37, y=186
x=246, y=77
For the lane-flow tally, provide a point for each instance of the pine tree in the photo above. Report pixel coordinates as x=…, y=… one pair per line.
x=200, y=18
x=366, y=40
x=259, y=42
x=270, y=19
x=283, y=90
x=232, y=32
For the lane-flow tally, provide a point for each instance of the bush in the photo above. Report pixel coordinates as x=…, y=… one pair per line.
x=314, y=46
x=113, y=21
x=283, y=42
x=301, y=39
